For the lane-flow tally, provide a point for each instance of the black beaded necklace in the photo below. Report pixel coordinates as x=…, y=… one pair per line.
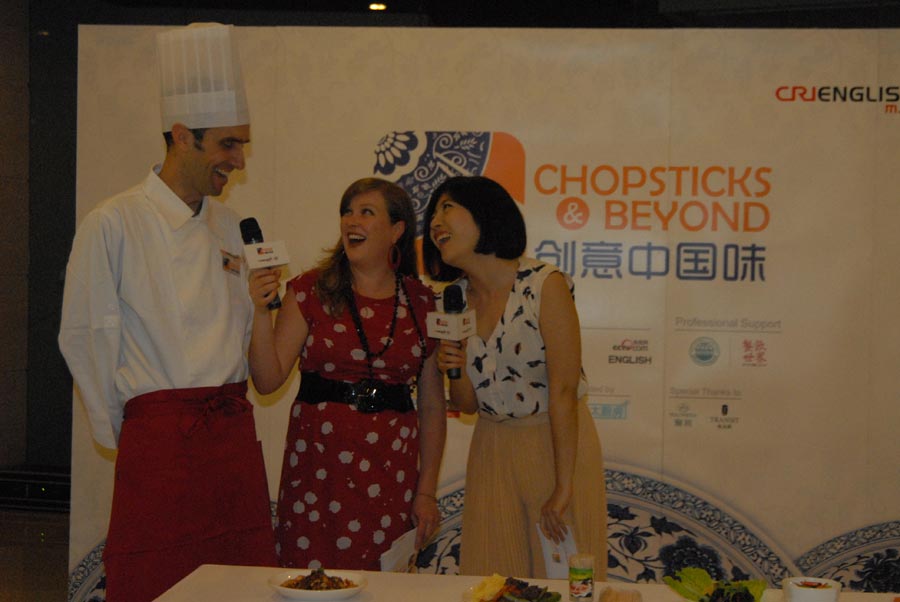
x=363, y=339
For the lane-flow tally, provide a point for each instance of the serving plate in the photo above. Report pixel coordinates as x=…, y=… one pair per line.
x=277, y=579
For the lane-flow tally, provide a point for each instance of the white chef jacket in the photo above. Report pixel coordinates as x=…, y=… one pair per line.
x=149, y=303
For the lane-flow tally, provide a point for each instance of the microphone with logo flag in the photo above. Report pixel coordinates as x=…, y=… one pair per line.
x=455, y=323
x=252, y=235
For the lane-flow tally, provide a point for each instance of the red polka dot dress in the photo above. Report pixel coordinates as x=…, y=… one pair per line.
x=348, y=478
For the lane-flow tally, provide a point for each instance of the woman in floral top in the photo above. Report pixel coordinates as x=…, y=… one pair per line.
x=535, y=460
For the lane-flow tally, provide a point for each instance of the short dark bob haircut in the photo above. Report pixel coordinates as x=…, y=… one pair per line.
x=500, y=224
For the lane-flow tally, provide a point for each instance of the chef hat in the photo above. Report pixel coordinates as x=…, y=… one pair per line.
x=200, y=77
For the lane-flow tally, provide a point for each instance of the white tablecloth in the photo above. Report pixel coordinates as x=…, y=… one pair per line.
x=217, y=583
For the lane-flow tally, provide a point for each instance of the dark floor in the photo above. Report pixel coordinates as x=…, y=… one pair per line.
x=34, y=556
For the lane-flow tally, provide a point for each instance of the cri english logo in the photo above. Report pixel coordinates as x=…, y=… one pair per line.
x=841, y=94
x=704, y=351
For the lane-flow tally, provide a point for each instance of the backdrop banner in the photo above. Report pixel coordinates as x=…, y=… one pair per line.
x=725, y=200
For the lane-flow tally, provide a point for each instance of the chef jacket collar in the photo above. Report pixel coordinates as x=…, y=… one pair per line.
x=174, y=210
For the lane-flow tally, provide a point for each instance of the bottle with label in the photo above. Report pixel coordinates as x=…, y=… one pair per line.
x=581, y=577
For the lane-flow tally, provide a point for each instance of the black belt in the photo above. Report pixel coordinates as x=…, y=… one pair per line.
x=367, y=396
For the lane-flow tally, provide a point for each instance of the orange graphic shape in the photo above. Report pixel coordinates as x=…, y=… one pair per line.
x=572, y=213
x=506, y=164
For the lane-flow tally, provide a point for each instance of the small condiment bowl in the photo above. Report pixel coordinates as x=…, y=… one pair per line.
x=810, y=589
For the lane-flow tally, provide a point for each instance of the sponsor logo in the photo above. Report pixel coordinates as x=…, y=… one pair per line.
x=632, y=345
x=754, y=353
x=841, y=94
x=704, y=351
x=631, y=359
x=683, y=416
x=724, y=423
x=609, y=411
x=628, y=353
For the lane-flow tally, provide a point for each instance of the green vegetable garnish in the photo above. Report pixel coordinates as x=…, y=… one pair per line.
x=691, y=583
x=696, y=585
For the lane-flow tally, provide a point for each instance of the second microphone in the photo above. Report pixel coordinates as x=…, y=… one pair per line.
x=454, y=323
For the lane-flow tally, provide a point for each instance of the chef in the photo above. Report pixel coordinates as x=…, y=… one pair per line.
x=155, y=328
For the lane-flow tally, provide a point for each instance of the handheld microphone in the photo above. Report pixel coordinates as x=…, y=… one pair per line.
x=252, y=234
x=453, y=304
x=455, y=323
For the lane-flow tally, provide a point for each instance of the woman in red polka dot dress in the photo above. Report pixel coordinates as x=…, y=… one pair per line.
x=360, y=461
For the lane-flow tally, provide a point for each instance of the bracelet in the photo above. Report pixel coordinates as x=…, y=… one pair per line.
x=426, y=495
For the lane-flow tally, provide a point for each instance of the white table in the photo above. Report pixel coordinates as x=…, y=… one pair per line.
x=218, y=583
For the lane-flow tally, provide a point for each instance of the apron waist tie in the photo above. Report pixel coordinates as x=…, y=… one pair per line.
x=196, y=405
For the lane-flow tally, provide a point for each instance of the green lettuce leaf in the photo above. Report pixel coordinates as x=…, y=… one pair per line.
x=691, y=583
x=756, y=587
x=696, y=585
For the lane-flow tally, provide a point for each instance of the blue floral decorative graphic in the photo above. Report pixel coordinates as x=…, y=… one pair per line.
x=442, y=555
x=633, y=544
x=393, y=150
x=866, y=559
x=445, y=154
x=686, y=552
x=655, y=528
x=880, y=573
x=630, y=546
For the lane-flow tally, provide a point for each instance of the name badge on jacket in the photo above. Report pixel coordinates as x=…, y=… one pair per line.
x=231, y=263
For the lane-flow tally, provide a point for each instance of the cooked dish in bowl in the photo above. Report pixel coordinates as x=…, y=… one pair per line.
x=318, y=581
x=317, y=584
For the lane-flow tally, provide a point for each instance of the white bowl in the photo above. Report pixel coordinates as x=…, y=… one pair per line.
x=277, y=579
x=810, y=589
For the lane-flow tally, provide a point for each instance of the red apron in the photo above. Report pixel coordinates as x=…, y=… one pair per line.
x=190, y=489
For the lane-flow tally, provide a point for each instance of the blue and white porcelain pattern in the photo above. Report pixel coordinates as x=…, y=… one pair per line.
x=420, y=168
x=655, y=527
x=87, y=581
x=866, y=559
x=441, y=556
